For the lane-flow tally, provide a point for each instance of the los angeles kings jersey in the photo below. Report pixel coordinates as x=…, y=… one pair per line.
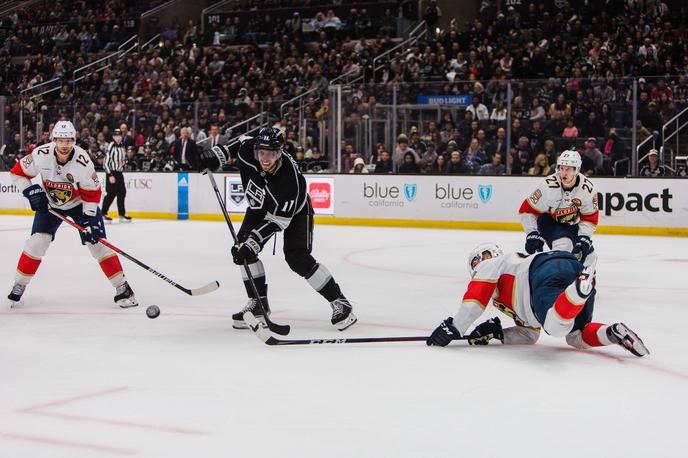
x=273, y=198
x=66, y=185
x=575, y=206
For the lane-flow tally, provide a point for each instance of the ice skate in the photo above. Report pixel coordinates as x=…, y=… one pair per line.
x=125, y=296
x=106, y=218
x=342, y=313
x=620, y=334
x=586, y=280
x=253, y=307
x=124, y=219
x=14, y=298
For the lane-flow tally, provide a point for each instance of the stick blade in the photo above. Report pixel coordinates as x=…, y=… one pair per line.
x=260, y=332
x=209, y=288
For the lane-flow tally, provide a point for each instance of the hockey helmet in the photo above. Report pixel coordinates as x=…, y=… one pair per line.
x=570, y=158
x=481, y=253
x=270, y=138
x=64, y=129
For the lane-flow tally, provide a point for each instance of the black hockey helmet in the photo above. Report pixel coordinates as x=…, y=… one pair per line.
x=269, y=138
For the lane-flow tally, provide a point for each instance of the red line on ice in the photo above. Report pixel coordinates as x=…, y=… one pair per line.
x=66, y=443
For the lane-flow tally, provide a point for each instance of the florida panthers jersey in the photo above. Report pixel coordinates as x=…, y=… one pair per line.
x=574, y=206
x=504, y=280
x=66, y=185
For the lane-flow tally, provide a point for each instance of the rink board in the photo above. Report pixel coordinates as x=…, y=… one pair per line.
x=627, y=206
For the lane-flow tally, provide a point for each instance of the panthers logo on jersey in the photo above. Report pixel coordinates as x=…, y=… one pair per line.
x=59, y=193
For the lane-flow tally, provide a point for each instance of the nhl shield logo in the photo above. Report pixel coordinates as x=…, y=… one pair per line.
x=410, y=191
x=236, y=192
x=485, y=192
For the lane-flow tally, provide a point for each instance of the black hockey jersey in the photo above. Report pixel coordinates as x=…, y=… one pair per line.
x=273, y=198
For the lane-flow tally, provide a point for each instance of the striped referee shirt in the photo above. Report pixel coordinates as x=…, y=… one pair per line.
x=115, y=157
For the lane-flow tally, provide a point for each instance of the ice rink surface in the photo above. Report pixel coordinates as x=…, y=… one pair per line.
x=82, y=378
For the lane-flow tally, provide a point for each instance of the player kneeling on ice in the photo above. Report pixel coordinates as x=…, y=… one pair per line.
x=278, y=201
x=562, y=211
x=550, y=290
x=73, y=189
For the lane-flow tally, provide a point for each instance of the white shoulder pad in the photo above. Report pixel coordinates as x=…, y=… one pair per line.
x=244, y=137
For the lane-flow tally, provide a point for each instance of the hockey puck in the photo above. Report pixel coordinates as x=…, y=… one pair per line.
x=153, y=311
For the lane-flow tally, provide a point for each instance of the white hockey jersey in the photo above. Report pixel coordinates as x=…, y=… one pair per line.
x=504, y=281
x=66, y=185
x=574, y=206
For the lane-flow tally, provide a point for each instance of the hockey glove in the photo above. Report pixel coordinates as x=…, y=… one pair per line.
x=37, y=198
x=534, y=242
x=94, y=226
x=245, y=251
x=486, y=331
x=445, y=333
x=212, y=159
x=582, y=248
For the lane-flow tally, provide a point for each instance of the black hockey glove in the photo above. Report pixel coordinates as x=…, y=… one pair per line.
x=37, y=198
x=445, y=333
x=213, y=158
x=94, y=226
x=582, y=248
x=245, y=251
x=486, y=331
x=534, y=242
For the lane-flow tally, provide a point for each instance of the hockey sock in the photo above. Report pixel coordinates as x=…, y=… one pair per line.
x=560, y=317
x=595, y=335
x=30, y=259
x=321, y=280
x=258, y=274
x=109, y=263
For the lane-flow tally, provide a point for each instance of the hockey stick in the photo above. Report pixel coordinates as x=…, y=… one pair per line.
x=210, y=287
x=281, y=329
x=265, y=336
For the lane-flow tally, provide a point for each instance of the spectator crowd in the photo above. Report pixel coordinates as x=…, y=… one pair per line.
x=570, y=69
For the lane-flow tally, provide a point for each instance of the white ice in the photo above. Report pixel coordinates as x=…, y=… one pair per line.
x=81, y=378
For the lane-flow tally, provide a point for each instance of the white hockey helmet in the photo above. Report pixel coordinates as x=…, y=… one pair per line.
x=570, y=158
x=481, y=253
x=64, y=129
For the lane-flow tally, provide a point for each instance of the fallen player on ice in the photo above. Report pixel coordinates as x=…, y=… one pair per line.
x=551, y=291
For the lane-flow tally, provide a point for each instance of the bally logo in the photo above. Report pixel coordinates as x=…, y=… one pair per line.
x=321, y=195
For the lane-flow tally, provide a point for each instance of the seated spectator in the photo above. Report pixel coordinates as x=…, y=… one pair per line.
x=537, y=112
x=359, y=166
x=409, y=166
x=653, y=168
x=131, y=163
x=540, y=166
x=570, y=131
x=384, y=163
x=401, y=150
x=520, y=163
x=474, y=156
x=593, y=159
x=316, y=164
x=494, y=167
x=478, y=110
x=439, y=166
x=300, y=159
x=499, y=112
x=616, y=152
x=457, y=165
x=428, y=158
x=593, y=127
x=682, y=170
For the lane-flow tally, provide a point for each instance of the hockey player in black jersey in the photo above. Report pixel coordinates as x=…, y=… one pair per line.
x=278, y=201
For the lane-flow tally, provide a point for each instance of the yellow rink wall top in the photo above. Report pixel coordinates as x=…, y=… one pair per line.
x=636, y=206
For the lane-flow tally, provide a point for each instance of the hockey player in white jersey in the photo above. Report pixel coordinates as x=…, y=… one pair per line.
x=550, y=291
x=70, y=186
x=562, y=211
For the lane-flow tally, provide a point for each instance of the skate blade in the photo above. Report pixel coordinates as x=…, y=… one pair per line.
x=631, y=342
x=126, y=304
x=346, y=323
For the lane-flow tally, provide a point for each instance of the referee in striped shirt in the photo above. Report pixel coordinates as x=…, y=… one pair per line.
x=115, y=158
